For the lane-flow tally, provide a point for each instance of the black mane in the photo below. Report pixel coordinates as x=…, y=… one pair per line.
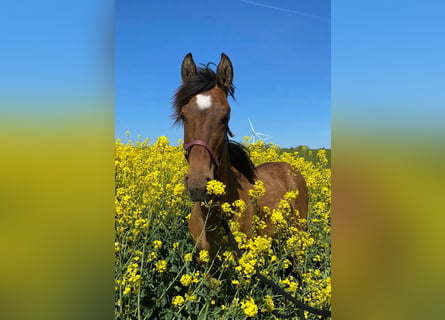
x=203, y=80
x=239, y=158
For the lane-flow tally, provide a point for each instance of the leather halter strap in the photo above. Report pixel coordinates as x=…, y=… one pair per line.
x=201, y=143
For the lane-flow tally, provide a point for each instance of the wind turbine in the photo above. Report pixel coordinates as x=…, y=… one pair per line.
x=257, y=135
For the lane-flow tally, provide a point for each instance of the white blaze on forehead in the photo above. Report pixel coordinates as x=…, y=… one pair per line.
x=203, y=101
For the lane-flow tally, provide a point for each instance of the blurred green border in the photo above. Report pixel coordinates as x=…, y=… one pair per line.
x=57, y=163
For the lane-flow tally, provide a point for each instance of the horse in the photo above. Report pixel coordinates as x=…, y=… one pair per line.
x=201, y=105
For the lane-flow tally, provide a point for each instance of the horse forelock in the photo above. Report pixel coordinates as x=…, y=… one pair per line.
x=204, y=80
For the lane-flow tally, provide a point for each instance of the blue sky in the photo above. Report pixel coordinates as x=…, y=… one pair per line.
x=280, y=51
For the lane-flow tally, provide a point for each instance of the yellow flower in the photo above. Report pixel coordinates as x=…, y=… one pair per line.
x=188, y=257
x=249, y=307
x=152, y=256
x=178, y=301
x=291, y=195
x=161, y=142
x=157, y=244
x=179, y=189
x=229, y=256
x=258, y=190
x=191, y=298
x=204, y=256
x=268, y=304
x=286, y=263
x=161, y=266
x=240, y=205
x=215, y=187
x=196, y=277
x=186, y=280
x=226, y=208
x=292, y=285
x=321, y=155
x=249, y=268
x=278, y=220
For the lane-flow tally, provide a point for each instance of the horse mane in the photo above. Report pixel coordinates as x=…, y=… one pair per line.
x=240, y=159
x=203, y=80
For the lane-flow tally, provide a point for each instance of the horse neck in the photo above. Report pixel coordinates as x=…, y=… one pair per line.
x=234, y=181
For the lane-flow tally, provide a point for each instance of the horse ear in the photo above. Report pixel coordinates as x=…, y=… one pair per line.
x=224, y=72
x=188, y=68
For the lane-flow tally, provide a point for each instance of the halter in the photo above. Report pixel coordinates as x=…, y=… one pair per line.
x=201, y=143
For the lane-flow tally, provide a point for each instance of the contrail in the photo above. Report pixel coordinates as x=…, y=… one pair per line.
x=301, y=13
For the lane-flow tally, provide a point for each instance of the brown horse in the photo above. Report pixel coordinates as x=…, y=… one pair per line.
x=201, y=104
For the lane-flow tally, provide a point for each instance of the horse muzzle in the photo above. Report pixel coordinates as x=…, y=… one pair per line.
x=196, y=190
x=200, y=172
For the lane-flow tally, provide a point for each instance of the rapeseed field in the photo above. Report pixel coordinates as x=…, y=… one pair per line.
x=159, y=273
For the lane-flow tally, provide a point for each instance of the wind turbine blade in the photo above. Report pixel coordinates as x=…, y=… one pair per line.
x=251, y=125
